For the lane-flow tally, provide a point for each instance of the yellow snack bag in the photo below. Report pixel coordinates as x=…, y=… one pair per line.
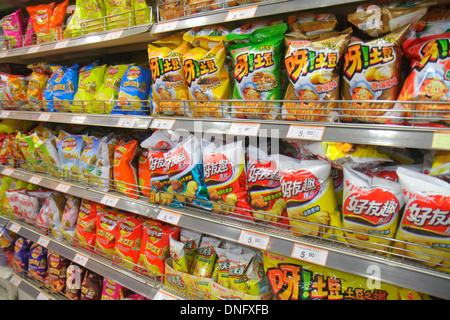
x=88, y=83
x=178, y=255
x=166, y=66
x=108, y=92
x=237, y=272
x=204, y=260
x=35, y=90
x=119, y=13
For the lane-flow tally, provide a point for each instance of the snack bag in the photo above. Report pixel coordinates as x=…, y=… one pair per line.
x=312, y=24
x=225, y=178
x=440, y=166
x=112, y=290
x=207, y=79
x=41, y=15
x=125, y=175
x=133, y=92
x=357, y=156
x=422, y=228
x=37, y=262
x=264, y=186
x=69, y=150
x=170, y=9
x=91, y=287
x=168, y=75
x=89, y=81
x=47, y=151
x=91, y=10
x=57, y=20
x=191, y=240
x=128, y=242
x=370, y=210
x=26, y=145
x=119, y=13
x=85, y=229
x=20, y=258
x=70, y=214
x=64, y=87
x=15, y=94
x=372, y=72
x=256, y=73
x=30, y=35
x=12, y=29
x=35, y=90
x=106, y=234
x=186, y=172
x=52, y=207
x=89, y=158
x=28, y=206
x=312, y=69
x=74, y=278
x=47, y=98
x=309, y=195
x=205, y=257
x=57, y=271
x=12, y=203
x=178, y=255
x=107, y=93
x=239, y=263
x=142, y=12
x=155, y=247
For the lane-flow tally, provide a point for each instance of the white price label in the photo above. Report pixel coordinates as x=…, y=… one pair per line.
x=42, y=296
x=43, y=241
x=78, y=119
x=35, y=180
x=4, y=114
x=44, y=117
x=113, y=35
x=108, y=200
x=62, y=187
x=15, y=280
x=164, y=296
x=245, y=129
x=61, y=44
x=305, y=132
x=310, y=254
x=441, y=140
x=169, y=216
x=166, y=26
x=126, y=122
x=3, y=54
x=80, y=259
x=14, y=227
x=33, y=49
x=166, y=124
x=244, y=13
x=7, y=171
x=253, y=239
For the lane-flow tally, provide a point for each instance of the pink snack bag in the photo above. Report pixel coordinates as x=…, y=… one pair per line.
x=30, y=35
x=112, y=290
x=12, y=29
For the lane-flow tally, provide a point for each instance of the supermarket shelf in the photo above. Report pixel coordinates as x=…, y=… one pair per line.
x=335, y=256
x=31, y=288
x=109, y=120
x=3, y=221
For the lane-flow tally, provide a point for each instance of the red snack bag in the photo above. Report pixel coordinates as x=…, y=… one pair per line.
x=41, y=15
x=85, y=230
x=106, y=225
x=125, y=175
x=224, y=173
x=57, y=20
x=128, y=241
x=155, y=246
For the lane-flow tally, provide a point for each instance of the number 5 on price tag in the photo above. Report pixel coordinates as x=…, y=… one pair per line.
x=254, y=239
x=169, y=216
x=310, y=254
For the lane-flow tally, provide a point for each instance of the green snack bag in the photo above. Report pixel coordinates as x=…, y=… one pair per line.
x=91, y=12
x=256, y=72
x=46, y=149
x=88, y=83
x=119, y=13
x=108, y=92
x=26, y=145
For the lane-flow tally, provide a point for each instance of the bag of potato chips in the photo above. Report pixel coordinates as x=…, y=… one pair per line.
x=128, y=242
x=35, y=89
x=13, y=30
x=125, y=174
x=89, y=81
x=119, y=13
x=205, y=258
x=85, y=229
x=91, y=10
x=64, y=87
x=69, y=150
x=41, y=15
x=106, y=232
x=57, y=71
x=191, y=240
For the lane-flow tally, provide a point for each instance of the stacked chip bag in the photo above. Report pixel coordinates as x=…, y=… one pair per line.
x=206, y=74
x=57, y=72
x=90, y=79
x=106, y=232
x=15, y=93
x=90, y=14
x=119, y=14
x=127, y=246
x=312, y=68
x=125, y=173
x=85, y=229
x=57, y=272
x=225, y=178
x=310, y=199
x=372, y=71
x=371, y=209
x=256, y=55
x=108, y=92
x=13, y=30
x=69, y=149
x=41, y=15
x=186, y=172
x=74, y=278
x=264, y=186
x=20, y=258
x=36, y=86
x=37, y=262
x=423, y=228
x=64, y=87
x=153, y=170
x=168, y=76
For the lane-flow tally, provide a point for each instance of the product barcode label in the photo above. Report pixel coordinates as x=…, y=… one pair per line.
x=165, y=124
x=245, y=129
x=305, y=132
x=244, y=13
x=254, y=239
x=110, y=201
x=81, y=259
x=169, y=216
x=35, y=180
x=62, y=187
x=310, y=254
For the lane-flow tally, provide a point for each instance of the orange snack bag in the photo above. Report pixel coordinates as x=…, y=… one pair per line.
x=128, y=241
x=41, y=15
x=85, y=230
x=125, y=175
x=57, y=19
x=106, y=224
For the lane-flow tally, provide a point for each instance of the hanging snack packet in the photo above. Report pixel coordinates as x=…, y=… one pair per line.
x=168, y=76
x=69, y=150
x=57, y=272
x=64, y=88
x=41, y=15
x=422, y=232
x=257, y=72
x=225, y=178
x=372, y=72
x=133, y=92
x=57, y=72
x=310, y=200
x=264, y=186
x=128, y=242
x=125, y=175
x=85, y=229
x=106, y=232
x=237, y=272
x=12, y=30
x=205, y=258
x=370, y=210
x=112, y=290
x=37, y=262
x=178, y=255
x=186, y=172
x=312, y=69
x=89, y=81
x=91, y=287
x=20, y=258
x=106, y=95
x=312, y=24
x=74, y=278
x=119, y=13
x=191, y=240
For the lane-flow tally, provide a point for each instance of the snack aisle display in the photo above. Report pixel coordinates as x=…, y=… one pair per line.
x=249, y=131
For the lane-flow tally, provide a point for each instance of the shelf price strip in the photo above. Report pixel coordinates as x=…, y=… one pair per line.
x=110, y=201
x=44, y=117
x=15, y=280
x=254, y=239
x=164, y=296
x=81, y=259
x=168, y=216
x=305, y=132
x=35, y=180
x=239, y=14
x=43, y=241
x=4, y=114
x=166, y=124
x=7, y=171
x=63, y=187
x=14, y=227
x=245, y=129
x=126, y=122
x=166, y=26
x=309, y=254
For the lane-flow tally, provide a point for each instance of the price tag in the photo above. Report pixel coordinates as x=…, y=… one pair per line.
x=254, y=239
x=43, y=241
x=80, y=259
x=33, y=49
x=108, y=200
x=62, y=187
x=7, y=171
x=3, y=54
x=14, y=227
x=78, y=119
x=61, y=44
x=42, y=296
x=169, y=216
x=164, y=296
x=245, y=129
x=305, y=132
x=4, y=114
x=113, y=35
x=15, y=280
x=166, y=124
x=310, y=254
x=244, y=13
x=166, y=26
x=44, y=117
x=35, y=180
x=441, y=140
x=126, y=122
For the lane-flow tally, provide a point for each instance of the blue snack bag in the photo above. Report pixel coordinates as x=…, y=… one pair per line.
x=64, y=88
x=57, y=71
x=37, y=262
x=133, y=92
x=20, y=258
